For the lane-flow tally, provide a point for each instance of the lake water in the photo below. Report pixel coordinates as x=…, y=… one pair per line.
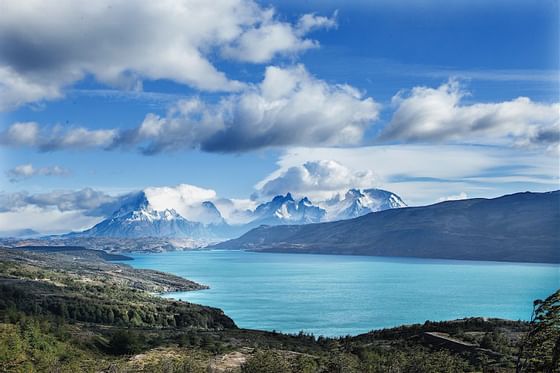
x=338, y=295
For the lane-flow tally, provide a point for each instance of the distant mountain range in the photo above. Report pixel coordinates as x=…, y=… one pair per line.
x=522, y=227
x=136, y=217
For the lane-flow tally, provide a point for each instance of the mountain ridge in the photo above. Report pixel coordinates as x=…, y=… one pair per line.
x=519, y=227
x=136, y=217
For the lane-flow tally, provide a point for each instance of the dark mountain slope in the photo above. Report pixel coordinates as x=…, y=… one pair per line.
x=522, y=227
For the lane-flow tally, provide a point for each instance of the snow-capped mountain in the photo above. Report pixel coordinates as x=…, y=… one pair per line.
x=360, y=202
x=354, y=203
x=286, y=210
x=136, y=218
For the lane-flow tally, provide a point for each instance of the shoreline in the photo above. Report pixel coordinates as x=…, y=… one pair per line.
x=219, y=302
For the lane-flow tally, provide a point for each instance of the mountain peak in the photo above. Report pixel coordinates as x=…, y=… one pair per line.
x=353, y=193
x=305, y=202
x=133, y=202
x=210, y=214
x=281, y=198
x=284, y=210
x=358, y=202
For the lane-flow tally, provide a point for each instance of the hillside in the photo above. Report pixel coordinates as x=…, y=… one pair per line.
x=522, y=227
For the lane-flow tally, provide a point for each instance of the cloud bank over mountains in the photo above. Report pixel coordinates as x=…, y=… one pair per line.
x=187, y=200
x=47, y=46
x=419, y=174
x=318, y=179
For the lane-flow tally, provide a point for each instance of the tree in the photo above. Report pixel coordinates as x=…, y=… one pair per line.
x=540, y=349
x=124, y=343
x=266, y=361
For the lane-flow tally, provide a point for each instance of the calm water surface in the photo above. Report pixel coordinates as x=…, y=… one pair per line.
x=338, y=295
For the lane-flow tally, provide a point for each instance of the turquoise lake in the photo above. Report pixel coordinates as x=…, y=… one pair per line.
x=338, y=295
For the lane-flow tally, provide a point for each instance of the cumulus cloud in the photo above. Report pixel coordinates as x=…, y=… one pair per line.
x=89, y=201
x=47, y=46
x=16, y=89
x=185, y=199
x=188, y=201
x=317, y=179
x=30, y=134
x=438, y=115
x=289, y=107
x=260, y=44
x=26, y=171
x=309, y=22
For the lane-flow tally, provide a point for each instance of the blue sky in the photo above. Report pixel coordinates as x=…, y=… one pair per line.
x=470, y=62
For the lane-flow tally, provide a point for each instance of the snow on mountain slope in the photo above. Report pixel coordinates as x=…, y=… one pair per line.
x=285, y=210
x=360, y=202
x=137, y=218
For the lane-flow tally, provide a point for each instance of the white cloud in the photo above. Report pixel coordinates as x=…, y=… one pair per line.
x=17, y=89
x=91, y=202
x=289, y=107
x=46, y=220
x=422, y=174
x=187, y=200
x=64, y=210
x=455, y=197
x=235, y=211
x=21, y=134
x=47, y=46
x=184, y=198
x=262, y=43
x=438, y=115
x=30, y=134
x=309, y=22
x=317, y=179
x=27, y=170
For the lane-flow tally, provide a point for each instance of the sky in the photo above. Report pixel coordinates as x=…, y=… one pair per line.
x=243, y=99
